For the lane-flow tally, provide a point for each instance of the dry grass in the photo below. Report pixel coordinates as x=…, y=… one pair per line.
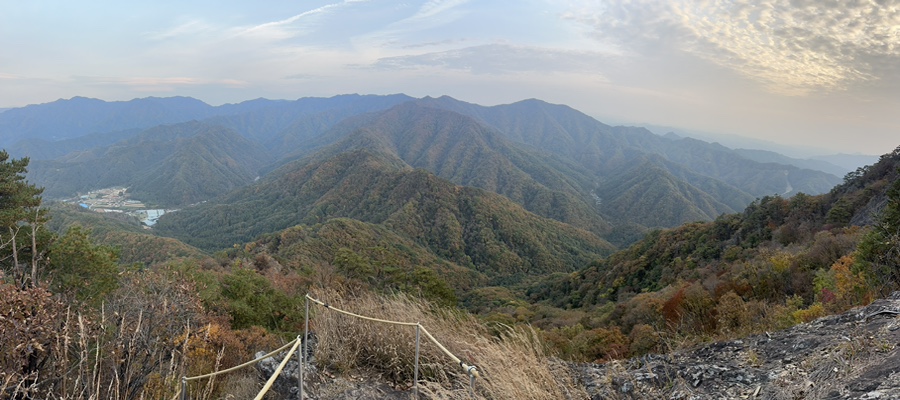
x=512, y=366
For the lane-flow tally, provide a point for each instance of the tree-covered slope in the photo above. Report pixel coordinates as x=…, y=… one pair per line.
x=284, y=127
x=800, y=237
x=461, y=150
x=168, y=165
x=653, y=197
x=468, y=226
x=213, y=162
x=605, y=149
x=369, y=253
x=134, y=243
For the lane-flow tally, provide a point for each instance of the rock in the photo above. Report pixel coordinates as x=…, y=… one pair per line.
x=854, y=355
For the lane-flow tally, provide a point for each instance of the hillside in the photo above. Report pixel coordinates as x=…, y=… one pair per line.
x=134, y=243
x=462, y=151
x=773, y=157
x=779, y=262
x=169, y=165
x=551, y=159
x=651, y=187
x=491, y=223
x=464, y=225
x=603, y=148
x=284, y=127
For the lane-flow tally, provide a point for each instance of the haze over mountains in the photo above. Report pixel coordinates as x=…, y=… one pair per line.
x=264, y=165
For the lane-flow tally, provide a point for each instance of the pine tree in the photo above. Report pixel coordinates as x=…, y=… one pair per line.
x=21, y=220
x=879, y=250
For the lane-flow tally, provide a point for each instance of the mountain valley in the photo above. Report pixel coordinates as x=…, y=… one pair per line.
x=528, y=225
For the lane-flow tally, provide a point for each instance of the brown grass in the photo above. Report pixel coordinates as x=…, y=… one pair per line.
x=512, y=366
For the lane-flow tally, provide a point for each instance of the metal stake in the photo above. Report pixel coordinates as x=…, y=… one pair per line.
x=305, y=341
x=416, y=371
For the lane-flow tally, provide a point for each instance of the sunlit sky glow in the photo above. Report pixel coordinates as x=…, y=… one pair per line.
x=800, y=72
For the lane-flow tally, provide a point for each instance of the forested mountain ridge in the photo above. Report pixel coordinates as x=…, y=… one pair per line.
x=779, y=262
x=766, y=156
x=664, y=256
x=467, y=226
x=653, y=197
x=602, y=148
x=134, y=244
x=168, y=165
x=460, y=150
x=283, y=127
x=79, y=116
x=553, y=160
x=359, y=213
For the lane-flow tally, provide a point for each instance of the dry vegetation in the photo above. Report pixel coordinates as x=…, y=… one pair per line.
x=513, y=365
x=150, y=333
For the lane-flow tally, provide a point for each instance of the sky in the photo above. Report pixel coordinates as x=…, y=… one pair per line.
x=821, y=73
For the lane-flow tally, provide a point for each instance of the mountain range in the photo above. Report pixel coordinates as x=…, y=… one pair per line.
x=265, y=165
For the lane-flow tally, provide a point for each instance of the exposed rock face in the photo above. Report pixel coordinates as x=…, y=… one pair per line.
x=855, y=355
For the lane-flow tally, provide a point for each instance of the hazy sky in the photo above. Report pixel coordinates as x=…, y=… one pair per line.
x=811, y=72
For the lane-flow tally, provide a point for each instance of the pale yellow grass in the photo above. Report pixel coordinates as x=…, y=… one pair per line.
x=512, y=366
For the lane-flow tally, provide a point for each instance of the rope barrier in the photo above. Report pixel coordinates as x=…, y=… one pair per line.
x=323, y=304
x=471, y=370
x=278, y=370
x=246, y=364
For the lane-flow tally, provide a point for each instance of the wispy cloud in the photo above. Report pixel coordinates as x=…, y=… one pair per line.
x=433, y=8
x=430, y=15
x=192, y=27
x=792, y=47
x=286, y=28
x=500, y=59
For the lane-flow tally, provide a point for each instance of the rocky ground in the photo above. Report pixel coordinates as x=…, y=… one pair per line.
x=855, y=355
x=322, y=385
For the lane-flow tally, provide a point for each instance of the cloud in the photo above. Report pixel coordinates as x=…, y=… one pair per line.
x=286, y=28
x=499, y=59
x=792, y=47
x=430, y=16
x=192, y=27
x=434, y=8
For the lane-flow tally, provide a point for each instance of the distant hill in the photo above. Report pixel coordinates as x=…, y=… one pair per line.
x=283, y=127
x=43, y=149
x=812, y=163
x=459, y=149
x=609, y=151
x=79, y=116
x=650, y=187
x=467, y=226
x=169, y=165
x=135, y=244
x=556, y=162
x=850, y=162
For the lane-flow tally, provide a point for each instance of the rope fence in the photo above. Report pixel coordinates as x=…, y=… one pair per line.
x=470, y=370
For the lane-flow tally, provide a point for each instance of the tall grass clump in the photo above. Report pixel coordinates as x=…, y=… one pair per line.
x=513, y=365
